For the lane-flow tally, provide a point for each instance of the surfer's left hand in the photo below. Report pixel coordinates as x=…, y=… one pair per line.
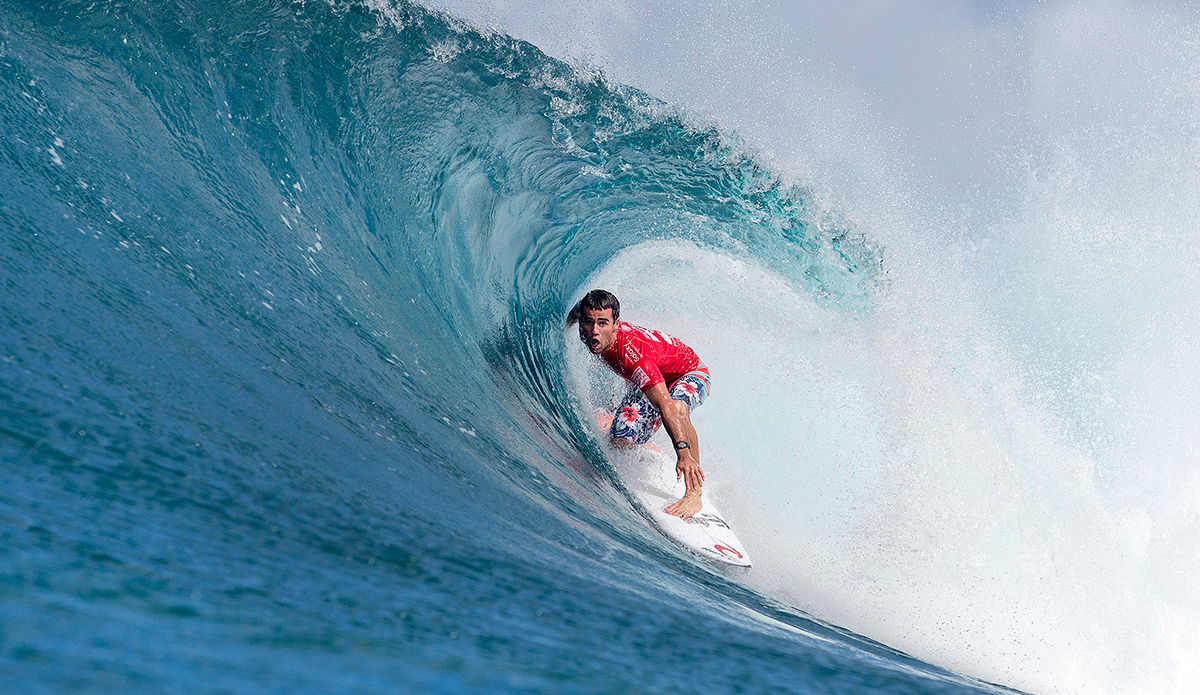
x=688, y=469
x=693, y=477
x=686, y=507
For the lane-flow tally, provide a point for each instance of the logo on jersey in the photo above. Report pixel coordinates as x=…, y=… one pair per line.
x=639, y=377
x=655, y=335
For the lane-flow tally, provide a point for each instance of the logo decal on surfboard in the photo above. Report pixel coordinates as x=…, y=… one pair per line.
x=726, y=550
x=706, y=519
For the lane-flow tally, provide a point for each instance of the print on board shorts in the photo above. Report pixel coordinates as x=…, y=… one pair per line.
x=637, y=420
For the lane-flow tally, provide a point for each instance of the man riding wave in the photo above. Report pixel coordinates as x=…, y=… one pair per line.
x=668, y=379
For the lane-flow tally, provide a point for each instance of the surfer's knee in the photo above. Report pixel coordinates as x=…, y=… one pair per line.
x=623, y=443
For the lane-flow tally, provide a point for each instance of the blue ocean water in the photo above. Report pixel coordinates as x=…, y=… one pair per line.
x=283, y=402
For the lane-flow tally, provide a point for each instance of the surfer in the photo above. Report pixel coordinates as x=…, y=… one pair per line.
x=668, y=380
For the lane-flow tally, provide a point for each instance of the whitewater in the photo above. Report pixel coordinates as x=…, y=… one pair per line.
x=287, y=402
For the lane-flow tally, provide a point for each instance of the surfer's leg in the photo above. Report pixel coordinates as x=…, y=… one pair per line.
x=692, y=388
x=635, y=421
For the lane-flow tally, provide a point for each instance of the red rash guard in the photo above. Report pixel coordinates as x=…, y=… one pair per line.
x=647, y=357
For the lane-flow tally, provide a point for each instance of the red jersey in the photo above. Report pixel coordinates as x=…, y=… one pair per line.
x=647, y=357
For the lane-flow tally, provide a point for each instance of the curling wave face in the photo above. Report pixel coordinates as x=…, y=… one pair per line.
x=284, y=399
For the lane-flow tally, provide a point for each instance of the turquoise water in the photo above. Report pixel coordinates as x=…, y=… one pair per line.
x=285, y=404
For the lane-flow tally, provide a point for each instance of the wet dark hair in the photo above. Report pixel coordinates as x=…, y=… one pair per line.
x=596, y=300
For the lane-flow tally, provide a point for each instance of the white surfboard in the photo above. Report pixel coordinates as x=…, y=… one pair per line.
x=649, y=475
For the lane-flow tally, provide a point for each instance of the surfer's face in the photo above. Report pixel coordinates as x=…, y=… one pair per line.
x=597, y=329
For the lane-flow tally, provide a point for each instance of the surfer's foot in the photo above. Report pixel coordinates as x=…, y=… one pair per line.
x=686, y=507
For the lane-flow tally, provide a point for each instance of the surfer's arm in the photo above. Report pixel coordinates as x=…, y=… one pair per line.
x=678, y=422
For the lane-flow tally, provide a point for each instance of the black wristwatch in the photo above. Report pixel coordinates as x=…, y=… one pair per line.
x=682, y=445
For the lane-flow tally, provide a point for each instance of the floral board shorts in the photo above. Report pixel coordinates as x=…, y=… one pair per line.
x=637, y=420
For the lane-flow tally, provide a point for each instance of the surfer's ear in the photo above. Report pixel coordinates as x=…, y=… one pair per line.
x=573, y=315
